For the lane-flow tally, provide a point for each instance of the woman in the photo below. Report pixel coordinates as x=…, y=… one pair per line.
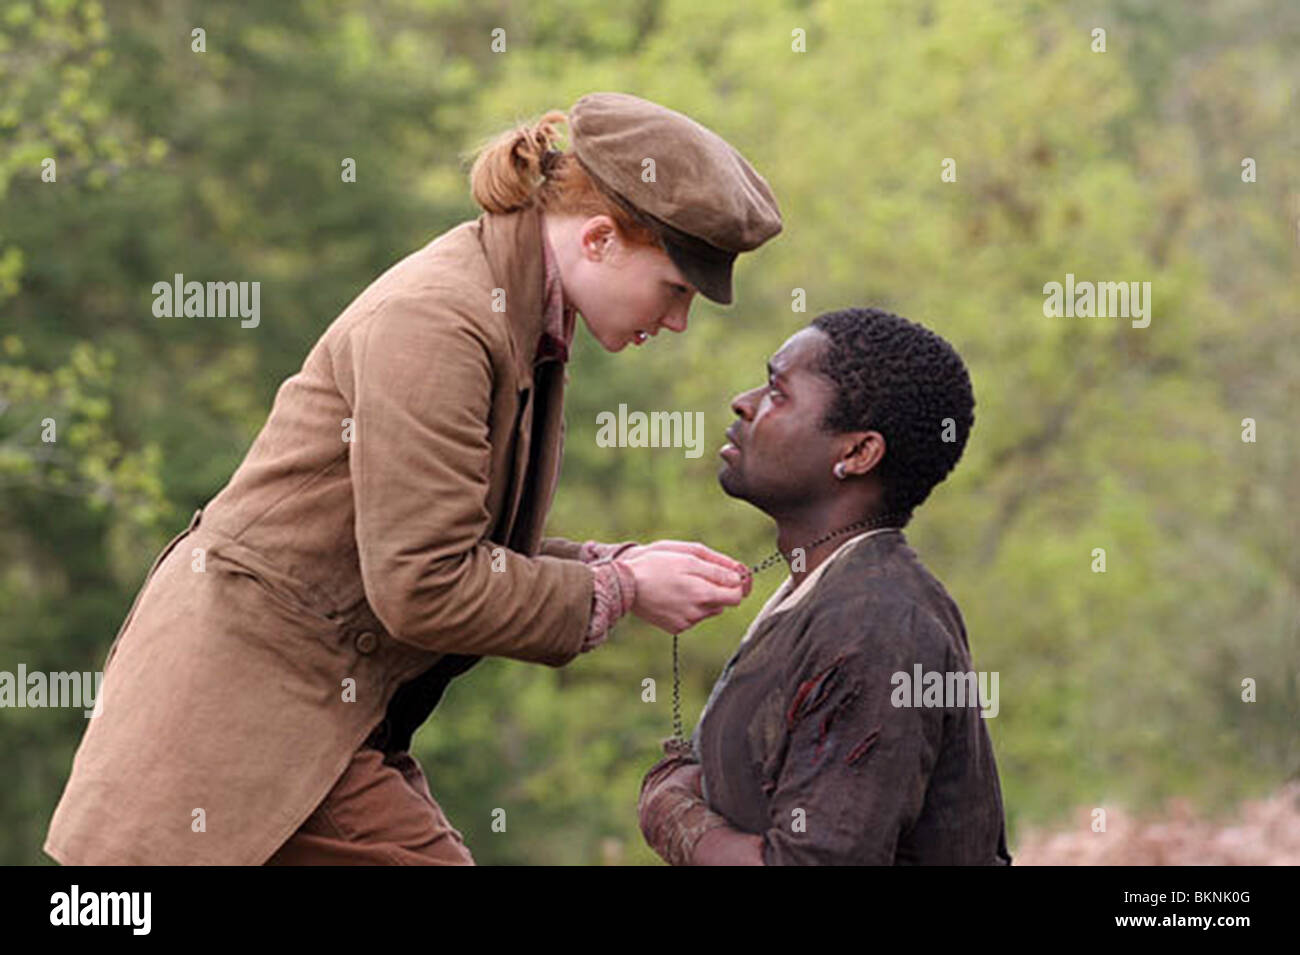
x=385, y=529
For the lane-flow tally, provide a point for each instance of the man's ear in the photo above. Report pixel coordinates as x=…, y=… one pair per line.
x=863, y=453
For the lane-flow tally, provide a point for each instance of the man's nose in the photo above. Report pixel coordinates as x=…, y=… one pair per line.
x=743, y=403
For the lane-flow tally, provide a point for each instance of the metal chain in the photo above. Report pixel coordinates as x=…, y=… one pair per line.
x=678, y=741
x=677, y=696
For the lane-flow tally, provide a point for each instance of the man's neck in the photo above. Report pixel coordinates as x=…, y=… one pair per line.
x=794, y=534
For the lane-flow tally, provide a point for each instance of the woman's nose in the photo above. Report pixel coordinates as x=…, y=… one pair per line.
x=676, y=321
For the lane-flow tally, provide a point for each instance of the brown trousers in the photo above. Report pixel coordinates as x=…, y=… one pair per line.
x=380, y=812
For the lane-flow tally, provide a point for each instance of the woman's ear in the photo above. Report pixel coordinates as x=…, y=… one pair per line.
x=598, y=236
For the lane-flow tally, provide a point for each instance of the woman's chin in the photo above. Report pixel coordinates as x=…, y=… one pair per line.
x=608, y=341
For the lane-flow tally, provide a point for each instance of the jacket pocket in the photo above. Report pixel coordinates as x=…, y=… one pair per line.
x=299, y=598
x=163, y=555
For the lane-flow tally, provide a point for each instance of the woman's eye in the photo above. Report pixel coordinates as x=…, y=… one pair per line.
x=680, y=289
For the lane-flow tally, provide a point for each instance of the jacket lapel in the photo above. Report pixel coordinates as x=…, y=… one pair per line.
x=513, y=246
x=548, y=403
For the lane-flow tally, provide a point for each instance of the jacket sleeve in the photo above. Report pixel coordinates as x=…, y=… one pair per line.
x=855, y=773
x=420, y=459
x=585, y=551
x=562, y=548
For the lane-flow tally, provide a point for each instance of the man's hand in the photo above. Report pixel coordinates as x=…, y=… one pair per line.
x=672, y=811
x=688, y=777
x=674, y=770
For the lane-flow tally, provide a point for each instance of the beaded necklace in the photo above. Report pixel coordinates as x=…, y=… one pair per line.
x=678, y=743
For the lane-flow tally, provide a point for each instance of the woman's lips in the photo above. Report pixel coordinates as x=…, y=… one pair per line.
x=643, y=335
x=729, y=451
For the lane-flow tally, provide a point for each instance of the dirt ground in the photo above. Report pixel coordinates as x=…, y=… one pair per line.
x=1262, y=832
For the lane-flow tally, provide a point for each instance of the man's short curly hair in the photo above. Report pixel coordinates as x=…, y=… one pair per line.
x=901, y=379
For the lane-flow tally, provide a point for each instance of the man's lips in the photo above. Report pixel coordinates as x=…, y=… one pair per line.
x=732, y=447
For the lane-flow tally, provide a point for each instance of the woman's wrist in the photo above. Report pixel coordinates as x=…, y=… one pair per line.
x=592, y=551
x=613, y=594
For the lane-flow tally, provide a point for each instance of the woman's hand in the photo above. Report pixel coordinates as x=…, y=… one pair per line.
x=680, y=583
x=702, y=551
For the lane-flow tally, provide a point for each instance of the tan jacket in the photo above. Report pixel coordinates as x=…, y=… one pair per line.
x=385, y=520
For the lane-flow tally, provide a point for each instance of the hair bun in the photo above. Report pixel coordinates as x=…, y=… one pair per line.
x=549, y=159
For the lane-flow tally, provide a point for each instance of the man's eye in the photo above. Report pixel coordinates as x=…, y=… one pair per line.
x=680, y=289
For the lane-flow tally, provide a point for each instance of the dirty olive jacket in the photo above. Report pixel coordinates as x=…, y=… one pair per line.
x=383, y=532
x=810, y=740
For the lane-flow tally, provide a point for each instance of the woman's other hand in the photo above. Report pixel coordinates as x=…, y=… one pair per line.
x=699, y=550
x=680, y=583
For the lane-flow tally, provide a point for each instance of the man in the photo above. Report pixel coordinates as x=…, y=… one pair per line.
x=807, y=751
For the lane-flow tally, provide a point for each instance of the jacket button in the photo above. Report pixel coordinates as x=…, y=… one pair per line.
x=366, y=642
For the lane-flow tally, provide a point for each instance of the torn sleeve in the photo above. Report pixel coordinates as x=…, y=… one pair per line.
x=856, y=768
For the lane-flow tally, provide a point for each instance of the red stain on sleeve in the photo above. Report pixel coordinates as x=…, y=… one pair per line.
x=823, y=730
x=863, y=748
x=811, y=694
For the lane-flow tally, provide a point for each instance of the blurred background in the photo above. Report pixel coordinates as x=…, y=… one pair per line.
x=1120, y=690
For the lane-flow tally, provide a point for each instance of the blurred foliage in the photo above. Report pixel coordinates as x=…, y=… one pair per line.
x=1121, y=687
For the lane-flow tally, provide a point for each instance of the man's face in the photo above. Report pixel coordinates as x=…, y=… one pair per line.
x=778, y=457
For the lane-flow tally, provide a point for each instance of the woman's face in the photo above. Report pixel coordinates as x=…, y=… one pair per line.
x=626, y=292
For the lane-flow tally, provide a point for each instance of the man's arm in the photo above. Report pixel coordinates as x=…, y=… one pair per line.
x=857, y=767
x=727, y=846
x=679, y=825
x=676, y=821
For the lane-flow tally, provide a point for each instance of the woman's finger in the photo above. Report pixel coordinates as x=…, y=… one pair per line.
x=727, y=594
x=702, y=551
x=676, y=546
x=705, y=552
x=714, y=573
x=711, y=608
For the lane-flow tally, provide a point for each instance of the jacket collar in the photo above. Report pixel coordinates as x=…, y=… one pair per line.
x=792, y=596
x=513, y=245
